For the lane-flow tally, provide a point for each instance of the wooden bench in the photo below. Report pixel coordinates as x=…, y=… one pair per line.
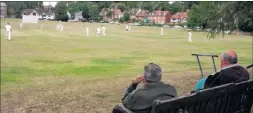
x=229, y=98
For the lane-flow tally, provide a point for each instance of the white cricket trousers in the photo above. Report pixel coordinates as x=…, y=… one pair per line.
x=8, y=35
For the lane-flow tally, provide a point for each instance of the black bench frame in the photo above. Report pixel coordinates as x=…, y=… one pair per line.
x=229, y=98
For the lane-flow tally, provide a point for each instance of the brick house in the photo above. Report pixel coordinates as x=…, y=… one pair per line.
x=142, y=14
x=117, y=14
x=160, y=17
x=3, y=10
x=133, y=13
x=179, y=17
x=103, y=14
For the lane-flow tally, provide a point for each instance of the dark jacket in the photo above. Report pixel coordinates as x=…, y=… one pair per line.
x=234, y=73
x=140, y=99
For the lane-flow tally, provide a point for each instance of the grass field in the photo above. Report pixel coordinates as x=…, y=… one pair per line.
x=44, y=70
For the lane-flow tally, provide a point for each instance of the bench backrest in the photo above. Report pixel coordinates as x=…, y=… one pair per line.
x=229, y=98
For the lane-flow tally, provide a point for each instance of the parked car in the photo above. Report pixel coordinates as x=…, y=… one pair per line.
x=177, y=26
x=166, y=26
x=136, y=24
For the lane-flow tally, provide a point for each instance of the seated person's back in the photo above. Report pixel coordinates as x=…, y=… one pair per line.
x=230, y=72
x=234, y=73
x=141, y=94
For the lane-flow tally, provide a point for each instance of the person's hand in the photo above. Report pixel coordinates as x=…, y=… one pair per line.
x=138, y=79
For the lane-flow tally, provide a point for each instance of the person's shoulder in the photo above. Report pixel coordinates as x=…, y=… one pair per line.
x=166, y=85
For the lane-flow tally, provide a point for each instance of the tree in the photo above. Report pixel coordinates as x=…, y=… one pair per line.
x=103, y=4
x=109, y=14
x=176, y=7
x=148, y=6
x=121, y=6
x=131, y=4
x=73, y=7
x=121, y=19
x=85, y=12
x=164, y=6
x=126, y=17
x=189, y=4
x=61, y=12
x=230, y=16
x=94, y=11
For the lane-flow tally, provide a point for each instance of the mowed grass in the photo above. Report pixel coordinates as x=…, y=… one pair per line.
x=44, y=70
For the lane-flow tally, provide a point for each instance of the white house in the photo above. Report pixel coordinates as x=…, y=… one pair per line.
x=78, y=15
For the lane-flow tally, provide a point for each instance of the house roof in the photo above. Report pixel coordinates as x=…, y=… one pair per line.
x=142, y=13
x=116, y=11
x=47, y=12
x=27, y=11
x=2, y=4
x=48, y=7
x=180, y=15
x=39, y=11
x=159, y=13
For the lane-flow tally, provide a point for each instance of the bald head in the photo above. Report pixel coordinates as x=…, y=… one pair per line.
x=229, y=57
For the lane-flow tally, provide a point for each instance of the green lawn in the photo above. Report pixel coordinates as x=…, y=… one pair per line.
x=70, y=72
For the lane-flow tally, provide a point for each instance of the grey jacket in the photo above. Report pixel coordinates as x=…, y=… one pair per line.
x=140, y=99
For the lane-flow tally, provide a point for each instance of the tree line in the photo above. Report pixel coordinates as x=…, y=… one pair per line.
x=217, y=16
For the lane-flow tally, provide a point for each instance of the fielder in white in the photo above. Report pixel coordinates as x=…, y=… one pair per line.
x=189, y=36
x=98, y=31
x=8, y=30
x=103, y=30
x=21, y=25
x=59, y=26
x=86, y=30
x=161, y=30
x=127, y=28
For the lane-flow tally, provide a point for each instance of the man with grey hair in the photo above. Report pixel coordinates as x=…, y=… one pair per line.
x=230, y=72
x=144, y=90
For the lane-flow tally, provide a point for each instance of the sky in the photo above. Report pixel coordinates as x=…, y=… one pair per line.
x=49, y=2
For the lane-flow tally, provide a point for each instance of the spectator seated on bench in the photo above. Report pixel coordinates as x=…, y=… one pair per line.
x=144, y=90
x=228, y=98
x=230, y=72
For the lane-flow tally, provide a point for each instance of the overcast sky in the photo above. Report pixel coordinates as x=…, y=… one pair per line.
x=51, y=3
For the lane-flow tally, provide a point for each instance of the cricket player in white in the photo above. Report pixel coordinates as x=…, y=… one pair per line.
x=98, y=31
x=127, y=28
x=59, y=26
x=189, y=36
x=161, y=30
x=103, y=30
x=87, y=30
x=21, y=25
x=8, y=30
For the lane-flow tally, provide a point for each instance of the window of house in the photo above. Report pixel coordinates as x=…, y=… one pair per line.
x=34, y=14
